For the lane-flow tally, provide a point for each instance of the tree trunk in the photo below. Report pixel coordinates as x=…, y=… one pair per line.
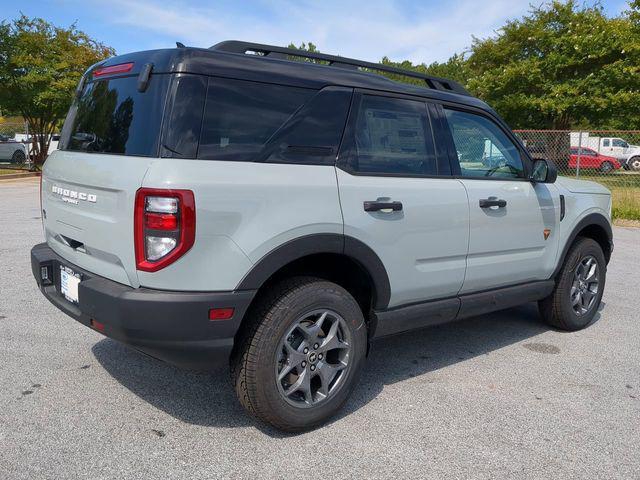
x=40, y=130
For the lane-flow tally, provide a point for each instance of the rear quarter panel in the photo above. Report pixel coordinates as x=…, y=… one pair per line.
x=243, y=211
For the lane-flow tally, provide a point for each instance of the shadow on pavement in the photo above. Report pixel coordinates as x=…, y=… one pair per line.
x=207, y=399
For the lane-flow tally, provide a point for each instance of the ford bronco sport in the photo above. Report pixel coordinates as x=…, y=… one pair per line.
x=233, y=205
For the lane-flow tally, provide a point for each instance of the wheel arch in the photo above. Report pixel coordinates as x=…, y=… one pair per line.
x=322, y=254
x=595, y=226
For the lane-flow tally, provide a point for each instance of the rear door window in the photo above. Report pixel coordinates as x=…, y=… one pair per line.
x=241, y=116
x=391, y=136
x=112, y=116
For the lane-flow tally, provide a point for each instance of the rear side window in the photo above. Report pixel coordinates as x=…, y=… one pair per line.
x=184, y=119
x=313, y=134
x=112, y=116
x=241, y=116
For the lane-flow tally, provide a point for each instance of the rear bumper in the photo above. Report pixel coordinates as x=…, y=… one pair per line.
x=171, y=326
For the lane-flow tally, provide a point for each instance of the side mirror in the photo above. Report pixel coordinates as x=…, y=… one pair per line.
x=544, y=171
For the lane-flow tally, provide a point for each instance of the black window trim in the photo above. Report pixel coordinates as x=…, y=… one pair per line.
x=453, y=157
x=346, y=146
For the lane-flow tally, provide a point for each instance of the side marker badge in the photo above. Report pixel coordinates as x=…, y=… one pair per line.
x=546, y=233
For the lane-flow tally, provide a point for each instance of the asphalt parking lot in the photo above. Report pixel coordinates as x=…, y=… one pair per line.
x=497, y=396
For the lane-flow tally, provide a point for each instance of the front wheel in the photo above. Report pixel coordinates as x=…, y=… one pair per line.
x=579, y=287
x=301, y=353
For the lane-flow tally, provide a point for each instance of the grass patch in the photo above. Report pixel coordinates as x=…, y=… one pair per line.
x=8, y=171
x=625, y=190
x=626, y=203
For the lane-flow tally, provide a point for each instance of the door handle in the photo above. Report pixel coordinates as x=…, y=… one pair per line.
x=492, y=202
x=375, y=206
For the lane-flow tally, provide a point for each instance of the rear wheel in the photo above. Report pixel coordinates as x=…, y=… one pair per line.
x=578, y=291
x=301, y=355
x=606, y=167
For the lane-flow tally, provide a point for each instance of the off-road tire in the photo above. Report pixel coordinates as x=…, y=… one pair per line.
x=557, y=309
x=253, y=360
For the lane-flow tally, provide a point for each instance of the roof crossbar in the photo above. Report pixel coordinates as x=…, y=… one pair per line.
x=236, y=46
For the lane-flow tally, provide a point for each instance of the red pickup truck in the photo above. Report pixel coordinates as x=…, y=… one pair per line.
x=592, y=160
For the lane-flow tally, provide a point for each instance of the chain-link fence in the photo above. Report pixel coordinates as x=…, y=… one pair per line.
x=611, y=158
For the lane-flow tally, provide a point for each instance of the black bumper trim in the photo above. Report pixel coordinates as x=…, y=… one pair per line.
x=171, y=326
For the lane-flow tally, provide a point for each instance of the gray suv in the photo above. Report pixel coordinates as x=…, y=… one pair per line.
x=280, y=210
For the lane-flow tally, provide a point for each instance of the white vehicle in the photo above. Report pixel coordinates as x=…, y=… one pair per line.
x=12, y=150
x=628, y=155
x=27, y=139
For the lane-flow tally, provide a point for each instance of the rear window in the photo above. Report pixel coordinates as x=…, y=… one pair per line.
x=112, y=116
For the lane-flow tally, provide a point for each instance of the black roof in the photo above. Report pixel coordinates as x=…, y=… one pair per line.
x=272, y=64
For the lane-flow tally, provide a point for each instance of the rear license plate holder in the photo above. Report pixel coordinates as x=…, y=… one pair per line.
x=69, y=281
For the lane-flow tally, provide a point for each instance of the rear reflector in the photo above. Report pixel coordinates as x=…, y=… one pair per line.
x=161, y=221
x=97, y=325
x=113, y=69
x=220, y=313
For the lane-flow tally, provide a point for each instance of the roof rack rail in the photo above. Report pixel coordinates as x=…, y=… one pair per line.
x=272, y=51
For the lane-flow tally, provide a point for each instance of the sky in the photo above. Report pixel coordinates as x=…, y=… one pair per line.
x=417, y=30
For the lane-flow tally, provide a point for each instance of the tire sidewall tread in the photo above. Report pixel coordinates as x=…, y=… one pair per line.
x=253, y=362
x=556, y=309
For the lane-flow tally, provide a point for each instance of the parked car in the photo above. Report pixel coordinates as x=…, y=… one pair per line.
x=590, y=159
x=11, y=150
x=626, y=154
x=286, y=214
x=28, y=139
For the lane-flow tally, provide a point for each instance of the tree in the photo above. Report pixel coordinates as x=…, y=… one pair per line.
x=455, y=69
x=564, y=65
x=561, y=66
x=40, y=67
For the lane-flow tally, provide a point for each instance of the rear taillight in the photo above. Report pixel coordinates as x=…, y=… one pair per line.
x=164, y=227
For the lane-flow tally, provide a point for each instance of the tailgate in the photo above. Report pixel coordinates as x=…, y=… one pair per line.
x=88, y=202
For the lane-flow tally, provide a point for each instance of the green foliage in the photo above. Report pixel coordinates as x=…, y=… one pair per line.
x=305, y=47
x=454, y=69
x=564, y=65
x=40, y=66
x=561, y=66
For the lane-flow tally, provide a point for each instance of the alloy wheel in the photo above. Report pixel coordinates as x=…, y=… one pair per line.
x=585, y=286
x=313, y=358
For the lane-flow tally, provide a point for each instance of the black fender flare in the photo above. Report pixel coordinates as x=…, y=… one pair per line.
x=596, y=219
x=313, y=244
